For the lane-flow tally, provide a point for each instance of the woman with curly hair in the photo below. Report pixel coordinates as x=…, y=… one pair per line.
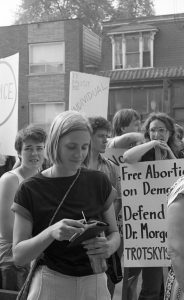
x=160, y=143
x=160, y=140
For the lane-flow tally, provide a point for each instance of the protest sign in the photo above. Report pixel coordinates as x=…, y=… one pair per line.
x=142, y=222
x=144, y=188
x=8, y=103
x=89, y=93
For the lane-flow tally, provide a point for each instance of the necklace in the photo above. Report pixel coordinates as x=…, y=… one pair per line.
x=66, y=194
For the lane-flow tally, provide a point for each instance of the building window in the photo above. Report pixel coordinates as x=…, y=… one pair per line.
x=132, y=50
x=145, y=100
x=46, y=58
x=43, y=114
x=118, y=52
x=146, y=50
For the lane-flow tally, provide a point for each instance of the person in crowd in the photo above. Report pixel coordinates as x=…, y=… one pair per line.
x=175, y=241
x=160, y=140
x=101, y=129
x=126, y=133
x=160, y=144
x=179, y=137
x=48, y=210
x=29, y=144
x=6, y=163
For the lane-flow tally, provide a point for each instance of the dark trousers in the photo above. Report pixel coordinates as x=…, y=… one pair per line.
x=152, y=283
x=12, y=278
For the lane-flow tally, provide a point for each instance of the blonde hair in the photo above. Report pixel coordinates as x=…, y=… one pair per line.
x=63, y=124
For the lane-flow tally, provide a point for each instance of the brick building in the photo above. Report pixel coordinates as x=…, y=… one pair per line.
x=48, y=51
x=144, y=59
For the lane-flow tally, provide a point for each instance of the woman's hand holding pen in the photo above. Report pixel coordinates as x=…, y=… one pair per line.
x=66, y=228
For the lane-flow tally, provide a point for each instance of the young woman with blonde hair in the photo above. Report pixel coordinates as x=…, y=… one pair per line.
x=62, y=193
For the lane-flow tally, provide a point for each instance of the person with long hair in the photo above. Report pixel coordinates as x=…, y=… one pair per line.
x=160, y=143
x=48, y=211
x=29, y=144
x=159, y=133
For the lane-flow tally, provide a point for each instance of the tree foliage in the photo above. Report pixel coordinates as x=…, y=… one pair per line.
x=91, y=12
x=134, y=8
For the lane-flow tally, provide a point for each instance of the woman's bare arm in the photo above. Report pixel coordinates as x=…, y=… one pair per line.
x=26, y=248
x=124, y=141
x=135, y=154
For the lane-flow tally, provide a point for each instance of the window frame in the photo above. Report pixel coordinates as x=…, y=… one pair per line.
x=141, y=49
x=127, y=53
x=44, y=125
x=46, y=65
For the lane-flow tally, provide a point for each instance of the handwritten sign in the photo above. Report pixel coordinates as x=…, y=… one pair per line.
x=8, y=104
x=142, y=222
x=89, y=93
x=144, y=188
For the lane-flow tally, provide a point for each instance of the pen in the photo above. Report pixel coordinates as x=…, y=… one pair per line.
x=85, y=222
